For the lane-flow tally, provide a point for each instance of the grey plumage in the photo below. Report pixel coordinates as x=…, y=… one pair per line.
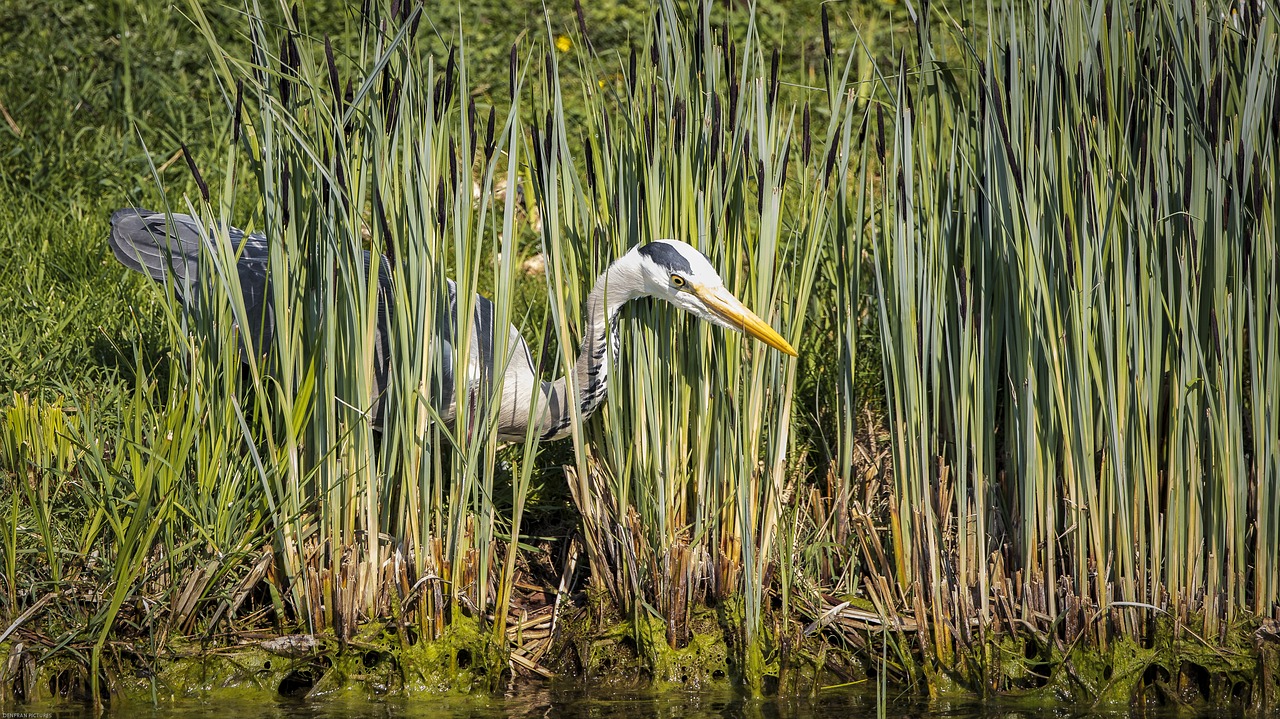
x=143, y=240
x=168, y=250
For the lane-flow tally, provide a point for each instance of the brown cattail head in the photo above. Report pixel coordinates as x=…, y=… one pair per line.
x=880, y=139
x=342, y=180
x=773, y=80
x=393, y=106
x=1213, y=120
x=715, y=127
x=325, y=190
x=591, y=166
x=413, y=27
x=284, y=195
x=386, y=84
x=235, y=114
x=805, y=138
x=441, y=215
x=655, y=54
x=286, y=69
x=453, y=163
x=536, y=142
x=786, y=161
x=826, y=35
x=582, y=24
x=450, y=71
x=1186, y=180
x=1275, y=112
x=550, y=128
x=471, y=121
x=195, y=172
x=489, y=145
x=511, y=71
x=831, y=160
x=982, y=92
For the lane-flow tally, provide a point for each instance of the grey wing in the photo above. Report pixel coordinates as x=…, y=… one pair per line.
x=168, y=249
x=255, y=285
x=484, y=366
x=144, y=241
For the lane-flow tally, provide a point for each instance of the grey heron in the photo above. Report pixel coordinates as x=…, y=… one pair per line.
x=674, y=271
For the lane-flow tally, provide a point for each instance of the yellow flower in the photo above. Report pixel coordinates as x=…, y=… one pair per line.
x=563, y=43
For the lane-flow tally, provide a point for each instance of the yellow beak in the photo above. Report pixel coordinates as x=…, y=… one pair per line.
x=735, y=313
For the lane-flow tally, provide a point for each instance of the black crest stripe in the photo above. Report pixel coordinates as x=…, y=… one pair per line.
x=666, y=256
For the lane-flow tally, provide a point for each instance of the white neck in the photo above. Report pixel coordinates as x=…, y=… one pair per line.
x=623, y=281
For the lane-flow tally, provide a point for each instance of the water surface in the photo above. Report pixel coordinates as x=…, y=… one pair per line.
x=609, y=704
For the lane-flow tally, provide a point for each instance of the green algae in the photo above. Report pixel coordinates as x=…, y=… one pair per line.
x=703, y=662
x=599, y=645
x=1172, y=666
x=463, y=660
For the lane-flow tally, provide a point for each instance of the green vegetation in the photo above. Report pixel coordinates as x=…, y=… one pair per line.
x=1030, y=445
x=1082, y=256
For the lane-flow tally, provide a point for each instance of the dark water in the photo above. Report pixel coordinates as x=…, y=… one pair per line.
x=587, y=704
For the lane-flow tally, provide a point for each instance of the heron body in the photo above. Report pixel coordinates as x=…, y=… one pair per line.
x=167, y=248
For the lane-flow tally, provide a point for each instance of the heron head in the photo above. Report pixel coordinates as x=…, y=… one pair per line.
x=683, y=276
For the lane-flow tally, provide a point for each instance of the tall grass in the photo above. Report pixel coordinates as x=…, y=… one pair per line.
x=685, y=486
x=280, y=452
x=1077, y=287
x=688, y=485
x=366, y=520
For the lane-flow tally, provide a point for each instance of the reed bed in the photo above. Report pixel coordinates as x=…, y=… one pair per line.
x=1078, y=308
x=1057, y=236
x=688, y=486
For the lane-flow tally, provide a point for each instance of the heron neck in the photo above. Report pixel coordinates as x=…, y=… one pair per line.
x=618, y=285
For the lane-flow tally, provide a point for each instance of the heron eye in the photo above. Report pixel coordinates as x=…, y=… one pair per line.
x=677, y=280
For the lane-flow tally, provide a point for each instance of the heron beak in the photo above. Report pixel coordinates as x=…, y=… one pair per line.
x=736, y=314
